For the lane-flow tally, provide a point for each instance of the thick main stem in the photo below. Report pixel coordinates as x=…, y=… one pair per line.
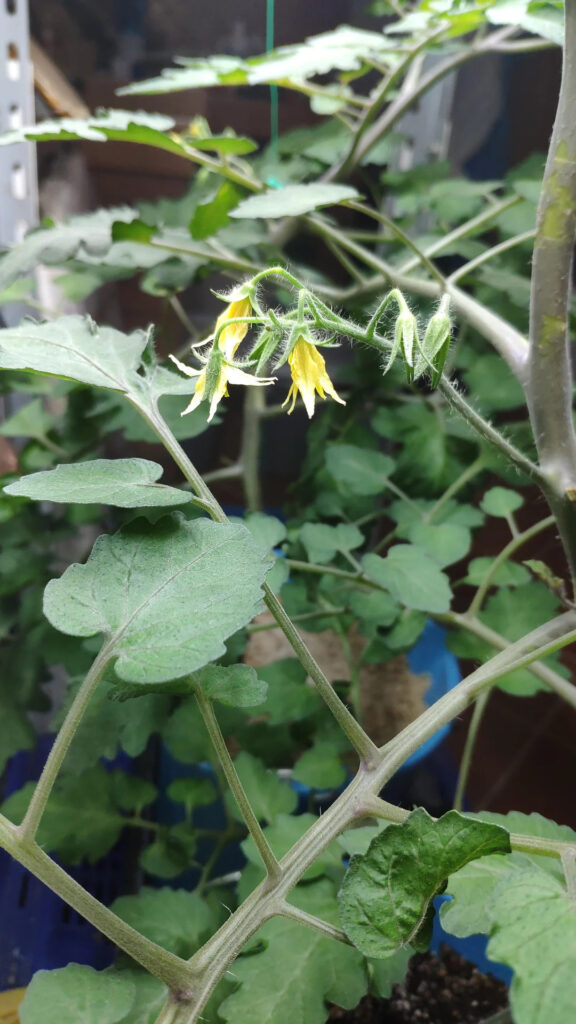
x=549, y=386
x=356, y=803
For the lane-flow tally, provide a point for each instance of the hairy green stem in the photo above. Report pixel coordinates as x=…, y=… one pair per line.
x=27, y=830
x=469, y=227
x=159, y=962
x=466, y=759
x=484, y=257
x=222, y=753
x=379, y=97
x=467, y=474
x=488, y=433
x=363, y=745
x=503, y=556
x=507, y=341
x=560, y=686
x=356, y=803
x=317, y=924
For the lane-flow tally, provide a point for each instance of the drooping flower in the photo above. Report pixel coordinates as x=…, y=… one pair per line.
x=309, y=376
x=219, y=371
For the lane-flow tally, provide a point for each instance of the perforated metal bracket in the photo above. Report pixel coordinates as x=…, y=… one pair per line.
x=18, y=188
x=18, y=178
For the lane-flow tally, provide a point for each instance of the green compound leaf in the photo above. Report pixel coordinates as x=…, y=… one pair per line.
x=289, y=699
x=165, y=596
x=82, y=818
x=174, y=918
x=269, y=796
x=149, y=997
x=89, y=233
x=534, y=933
x=320, y=767
x=386, y=897
x=411, y=577
x=500, y=502
x=509, y=574
x=287, y=830
x=293, y=200
x=472, y=887
x=358, y=470
x=192, y=792
x=126, y=483
x=298, y=971
x=78, y=993
x=322, y=542
x=238, y=686
x=445, y=543
x=76, y=348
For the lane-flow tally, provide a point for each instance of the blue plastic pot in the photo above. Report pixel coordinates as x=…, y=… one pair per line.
x=431, y=656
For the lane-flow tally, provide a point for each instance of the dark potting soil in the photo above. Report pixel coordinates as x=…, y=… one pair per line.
x=436, y=990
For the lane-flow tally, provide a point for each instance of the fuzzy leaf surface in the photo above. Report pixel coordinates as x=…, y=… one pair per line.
x=293, y=200
x=290, y=981
x=174, y=918
x=322, y=542
x=386, y=898
x=534, y=933
x=165, y=596
x=126, y=483
x=238, y=686
x=411, y=577
x=76, y=348
x=472, y=887
x=358, y=470
x=77, y=993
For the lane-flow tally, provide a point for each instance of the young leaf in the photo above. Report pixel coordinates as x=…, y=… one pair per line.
x=320, y=767
x=175, y=919
x=126, y=483
x=166, y=597
x=298, y=971
x=509, y=574
x=269, y=796
x=192, y=792
x=149, y=996
x=238, y=686
x=323, y=542
x=209, y=217
x=358, y=470
x=293, y=200
x=500, y=501
x=82, y=818
x=287, y=830
x=534, y=933
x=445, y=543
x=386, y=897
x=411, y=577
x=76, y=348
x=78, y=993
x=289, y=699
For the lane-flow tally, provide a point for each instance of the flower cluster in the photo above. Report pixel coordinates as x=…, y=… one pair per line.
x=307, y=365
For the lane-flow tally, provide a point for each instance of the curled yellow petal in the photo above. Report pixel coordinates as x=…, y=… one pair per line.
x=232, y=335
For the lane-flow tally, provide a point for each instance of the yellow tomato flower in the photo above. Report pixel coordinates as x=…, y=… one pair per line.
x=309, y=376
x=231, y=336
x=222, y=372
